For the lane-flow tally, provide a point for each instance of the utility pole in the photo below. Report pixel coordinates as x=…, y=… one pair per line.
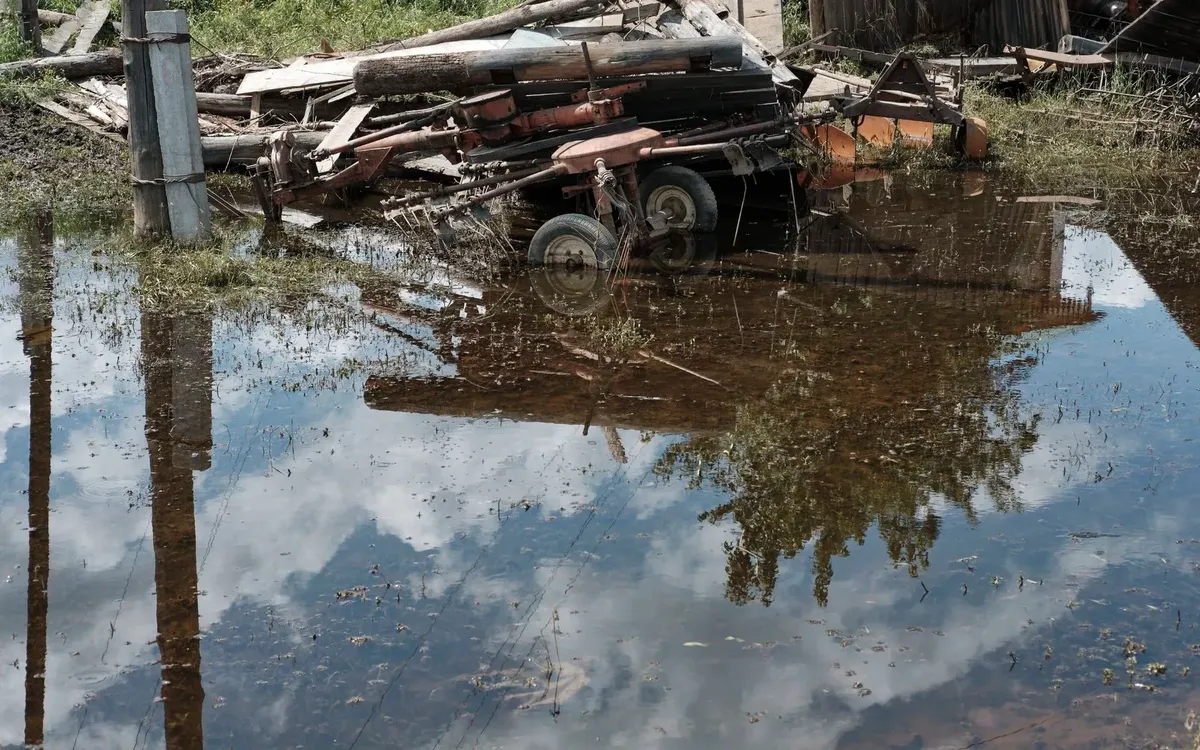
x=150, y=216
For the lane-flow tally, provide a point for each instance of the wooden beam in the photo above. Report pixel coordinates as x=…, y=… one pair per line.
x=150, y=216
x=53, y=17
x=178, y=128
x=422, y=73
x=104, y=63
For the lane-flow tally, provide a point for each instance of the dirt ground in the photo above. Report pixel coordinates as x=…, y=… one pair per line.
x=46, y=162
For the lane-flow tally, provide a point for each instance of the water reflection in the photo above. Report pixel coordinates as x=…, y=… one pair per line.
x=454, y=515
x=36, y=279
x=177, y=366
x=877, y=397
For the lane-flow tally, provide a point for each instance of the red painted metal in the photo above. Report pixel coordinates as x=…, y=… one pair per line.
x=614, y=150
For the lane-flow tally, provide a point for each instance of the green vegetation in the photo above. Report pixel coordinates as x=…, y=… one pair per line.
x=285, y=28
x=238, y=265
x=11, y=46
x=795, y=22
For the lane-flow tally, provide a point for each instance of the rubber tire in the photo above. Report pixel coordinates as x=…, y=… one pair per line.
x=585, y=228
x=697, y=188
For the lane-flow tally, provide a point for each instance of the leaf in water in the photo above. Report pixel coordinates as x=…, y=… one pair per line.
x=696, y=643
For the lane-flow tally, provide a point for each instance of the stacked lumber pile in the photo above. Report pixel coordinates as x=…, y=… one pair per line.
x=698, y=64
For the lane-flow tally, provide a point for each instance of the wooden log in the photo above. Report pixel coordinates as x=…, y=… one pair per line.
x=178, y=127
x=53, y=17
x=674, y=26
x=150, y=216
x=103, y=63
x=233, y=105
x=220, y=151
x=493, y=25
x=453, y=71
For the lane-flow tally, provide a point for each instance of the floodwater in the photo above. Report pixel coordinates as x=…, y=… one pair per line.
x=918, y=477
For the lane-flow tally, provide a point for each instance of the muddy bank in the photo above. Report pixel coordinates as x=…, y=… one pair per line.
x=46, y=162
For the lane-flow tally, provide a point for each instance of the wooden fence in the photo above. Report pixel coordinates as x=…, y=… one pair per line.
x=885, y=25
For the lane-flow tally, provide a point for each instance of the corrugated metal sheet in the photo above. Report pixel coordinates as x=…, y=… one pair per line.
x=887, y=24
x=1170, y=28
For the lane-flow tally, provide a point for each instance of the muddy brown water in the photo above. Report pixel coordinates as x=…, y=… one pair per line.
x=919, y=476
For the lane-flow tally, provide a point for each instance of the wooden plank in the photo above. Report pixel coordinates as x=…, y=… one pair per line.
x=77, y=119
x=674, y=26
x=706, y=20
x=55, y=43
x=94, y=13
x=178, y=126
x=341, y=134
x=1059, y=58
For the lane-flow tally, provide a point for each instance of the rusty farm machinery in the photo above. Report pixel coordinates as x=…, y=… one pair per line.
x=632, y=185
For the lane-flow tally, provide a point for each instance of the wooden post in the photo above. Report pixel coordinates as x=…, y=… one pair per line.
x=816, y=18
x=178, y=128
x=28, y=25
x=149, y=198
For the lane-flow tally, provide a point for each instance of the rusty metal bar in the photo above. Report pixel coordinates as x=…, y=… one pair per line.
x=463, y=186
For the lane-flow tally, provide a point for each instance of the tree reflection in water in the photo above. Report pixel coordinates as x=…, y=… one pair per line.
x=877, y=428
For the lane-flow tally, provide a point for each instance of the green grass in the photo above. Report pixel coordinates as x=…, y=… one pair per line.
x=11, y=46
x=795, y=22
x=285, y=28
x=1071, y=139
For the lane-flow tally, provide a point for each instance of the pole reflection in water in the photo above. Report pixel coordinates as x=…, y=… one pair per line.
x=177, y=357
x=36, y=259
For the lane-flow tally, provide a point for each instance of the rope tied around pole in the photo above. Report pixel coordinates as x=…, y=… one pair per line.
x=157, y=39
x=196, y=177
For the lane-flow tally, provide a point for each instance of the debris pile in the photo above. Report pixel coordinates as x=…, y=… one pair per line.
x=616, y=103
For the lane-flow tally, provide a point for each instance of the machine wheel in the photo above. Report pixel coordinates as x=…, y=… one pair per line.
x=684, y=194
x=572, y=242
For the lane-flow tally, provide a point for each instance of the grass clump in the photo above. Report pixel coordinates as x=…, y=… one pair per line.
x=237, y=265
x=1071, y=137
x=11, y=46
x=283, y=28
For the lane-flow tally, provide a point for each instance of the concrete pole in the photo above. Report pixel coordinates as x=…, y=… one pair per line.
x=178, y=126
x=150, y=216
